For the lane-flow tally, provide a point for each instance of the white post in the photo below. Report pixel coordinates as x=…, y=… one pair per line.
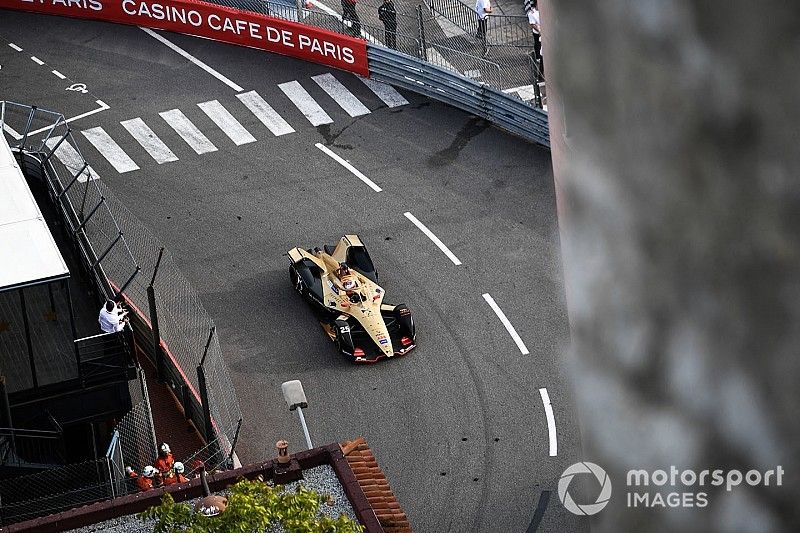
x=305, y=428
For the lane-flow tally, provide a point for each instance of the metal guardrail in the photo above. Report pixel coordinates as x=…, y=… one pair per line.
x=506, y=112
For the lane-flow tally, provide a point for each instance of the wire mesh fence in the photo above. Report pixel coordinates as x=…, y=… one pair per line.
x=122, y=262
x=441, y=32
x=55, y=490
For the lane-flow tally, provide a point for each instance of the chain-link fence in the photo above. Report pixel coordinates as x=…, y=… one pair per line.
x=123, y=261
x=55, y=490
x=441, y=32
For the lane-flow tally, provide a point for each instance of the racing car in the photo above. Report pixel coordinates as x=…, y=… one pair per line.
x=341, y=285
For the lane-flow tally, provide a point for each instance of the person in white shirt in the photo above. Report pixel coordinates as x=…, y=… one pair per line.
x=536, y=28
x=482, y=10
x=112, y=317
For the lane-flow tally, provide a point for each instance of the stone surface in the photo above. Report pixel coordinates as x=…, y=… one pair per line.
x=674, y=130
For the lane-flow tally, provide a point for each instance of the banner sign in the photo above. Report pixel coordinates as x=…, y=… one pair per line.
x=218, y=23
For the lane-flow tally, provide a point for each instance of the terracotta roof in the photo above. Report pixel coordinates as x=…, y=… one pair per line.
x=375, y=486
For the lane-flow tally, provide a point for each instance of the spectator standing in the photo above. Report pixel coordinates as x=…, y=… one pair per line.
x=482, y=10
x=112, y=317
x=388, y=15
x=533, y=19
x=349, y=14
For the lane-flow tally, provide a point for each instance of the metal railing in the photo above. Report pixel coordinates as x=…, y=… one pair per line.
x=31, y=447
x=54, y=490
x=499, y=60
x=474, y=97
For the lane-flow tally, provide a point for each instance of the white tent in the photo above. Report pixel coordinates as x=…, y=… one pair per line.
x=28, y=252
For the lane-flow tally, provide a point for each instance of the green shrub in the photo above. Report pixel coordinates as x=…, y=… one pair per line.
x=253, y=506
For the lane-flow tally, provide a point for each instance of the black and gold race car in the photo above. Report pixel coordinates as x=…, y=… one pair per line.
x=341, y=285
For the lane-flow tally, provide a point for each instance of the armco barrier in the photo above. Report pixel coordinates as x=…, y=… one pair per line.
x=474, y=97
x=218, y=23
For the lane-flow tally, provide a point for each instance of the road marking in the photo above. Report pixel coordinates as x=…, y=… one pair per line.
x=438, y=59
x=264, y=112
x=193, y=59
x=349, y=167
x=109, y=149
x=37, y=60
x=72, y=160
x=305, y=103
x=103, y=107
x=227, y=122
x=341, y=95
x=502, y=316
x=385, y=92
x=149, y=140
x=434, y=238
x=59, y=75
x=551, y=422
x=15, y=47
x=188, y=131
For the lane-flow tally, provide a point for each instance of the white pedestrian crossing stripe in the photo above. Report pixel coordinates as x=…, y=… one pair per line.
x=385, y=92
x=227, y=122
x=109, y=149
x=305, y=103
x=72, y=160
x=264, y=112
x=188, y=131
x=149, y=140
x=341, y=95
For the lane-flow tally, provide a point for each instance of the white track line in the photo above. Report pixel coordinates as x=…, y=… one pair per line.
x=305, y=103
x=188, y=131
x=193, y=59
x=349, y=167
x=385, y=92
x=103, y=107
x=59, y=75
x=109, y=149
x=551, y=422
x=227, y=122
x=434, y=238
x=341, y=95
x=15, y=47
x=37, y=60
x=502, y=316
x=264, y=112
x=149, y=140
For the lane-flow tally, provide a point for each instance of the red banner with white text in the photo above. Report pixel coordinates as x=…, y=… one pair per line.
x=215, y=22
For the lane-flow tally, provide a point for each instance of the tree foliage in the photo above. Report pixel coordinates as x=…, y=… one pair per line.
x=253, y=506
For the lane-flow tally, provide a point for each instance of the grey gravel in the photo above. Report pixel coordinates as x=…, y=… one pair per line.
x=321, y=479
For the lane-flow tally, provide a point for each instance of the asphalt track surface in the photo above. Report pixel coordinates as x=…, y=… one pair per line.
x=458, y=425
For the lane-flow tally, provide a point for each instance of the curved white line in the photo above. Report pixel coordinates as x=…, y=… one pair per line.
x=509, y=327
x=551, y=422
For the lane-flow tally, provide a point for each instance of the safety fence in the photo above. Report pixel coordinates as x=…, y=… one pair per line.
x=124, y=260
x=500, y=60
x=476, y=98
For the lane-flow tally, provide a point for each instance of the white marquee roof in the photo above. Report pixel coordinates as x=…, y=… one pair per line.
x=28, y=252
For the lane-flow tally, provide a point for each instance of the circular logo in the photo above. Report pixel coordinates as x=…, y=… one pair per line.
x=589, y=508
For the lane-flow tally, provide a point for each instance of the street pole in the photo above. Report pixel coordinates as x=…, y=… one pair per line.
x=305, y=428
